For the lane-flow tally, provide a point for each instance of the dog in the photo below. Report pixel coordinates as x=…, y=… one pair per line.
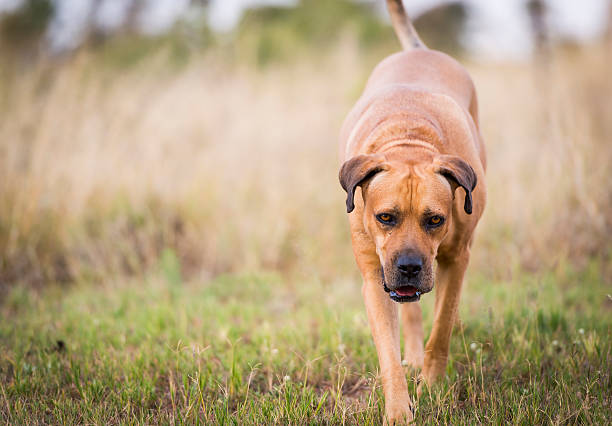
x=412, y=145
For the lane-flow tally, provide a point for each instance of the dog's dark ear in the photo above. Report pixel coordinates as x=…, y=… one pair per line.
x=356, y=172
x=458, y=173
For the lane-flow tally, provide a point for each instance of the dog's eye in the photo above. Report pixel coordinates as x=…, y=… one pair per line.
x=435, y=221
x=385, y=218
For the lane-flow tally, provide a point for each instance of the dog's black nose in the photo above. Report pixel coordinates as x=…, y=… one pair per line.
x=409, y=264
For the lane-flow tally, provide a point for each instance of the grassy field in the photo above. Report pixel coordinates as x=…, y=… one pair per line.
x=174, y=245
x=235, y=168
x=255, y=349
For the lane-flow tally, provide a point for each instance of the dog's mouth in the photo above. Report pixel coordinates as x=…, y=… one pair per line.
x=406, y=293
x=403, y=294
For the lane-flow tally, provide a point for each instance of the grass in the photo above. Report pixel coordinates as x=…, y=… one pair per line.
x=255, y=349
x=102, y=169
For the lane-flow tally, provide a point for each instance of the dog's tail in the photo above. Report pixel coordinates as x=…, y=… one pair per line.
x=406, y=33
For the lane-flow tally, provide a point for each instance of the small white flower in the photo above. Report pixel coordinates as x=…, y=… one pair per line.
x=555, y=343
x=474, y=346
x=287, y=379
x=581, y=330
x=525, y=391
x=405, y=363
x=274, y=351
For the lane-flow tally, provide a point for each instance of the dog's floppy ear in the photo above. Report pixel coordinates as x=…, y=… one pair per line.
x=458, y=173
x=356, y=172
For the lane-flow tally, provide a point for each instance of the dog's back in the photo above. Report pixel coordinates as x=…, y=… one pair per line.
x=411, y=79
x=427, y=71
x=414, y=70
x=421, y=68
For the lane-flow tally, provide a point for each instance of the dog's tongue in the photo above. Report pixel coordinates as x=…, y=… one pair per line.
x=406, y=291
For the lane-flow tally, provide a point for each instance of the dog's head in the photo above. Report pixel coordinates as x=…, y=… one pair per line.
x=407, y=212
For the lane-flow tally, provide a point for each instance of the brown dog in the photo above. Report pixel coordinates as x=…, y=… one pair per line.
x=412, y=145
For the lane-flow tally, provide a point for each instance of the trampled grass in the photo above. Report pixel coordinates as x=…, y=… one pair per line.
x=254, y=349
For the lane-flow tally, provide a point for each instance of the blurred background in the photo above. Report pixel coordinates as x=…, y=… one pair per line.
x=137, y=134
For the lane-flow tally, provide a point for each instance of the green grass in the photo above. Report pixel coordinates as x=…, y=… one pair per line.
x=258, y=349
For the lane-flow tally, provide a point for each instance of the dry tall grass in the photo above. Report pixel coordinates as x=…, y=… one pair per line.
x=232, y=168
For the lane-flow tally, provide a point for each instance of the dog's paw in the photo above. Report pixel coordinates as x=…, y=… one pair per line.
x=411, y=369
x=399, y=412
x=434, y=368
x=427, y=378
x=421, y=385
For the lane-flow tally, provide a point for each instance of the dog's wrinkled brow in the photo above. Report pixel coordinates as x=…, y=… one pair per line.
x=394, y=210
x=430, y=212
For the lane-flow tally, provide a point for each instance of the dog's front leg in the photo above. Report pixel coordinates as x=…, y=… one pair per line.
x=383, y=319
x=449, y=281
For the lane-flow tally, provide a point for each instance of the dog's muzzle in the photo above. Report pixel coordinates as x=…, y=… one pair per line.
x=406, y=280
x=402, y=294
